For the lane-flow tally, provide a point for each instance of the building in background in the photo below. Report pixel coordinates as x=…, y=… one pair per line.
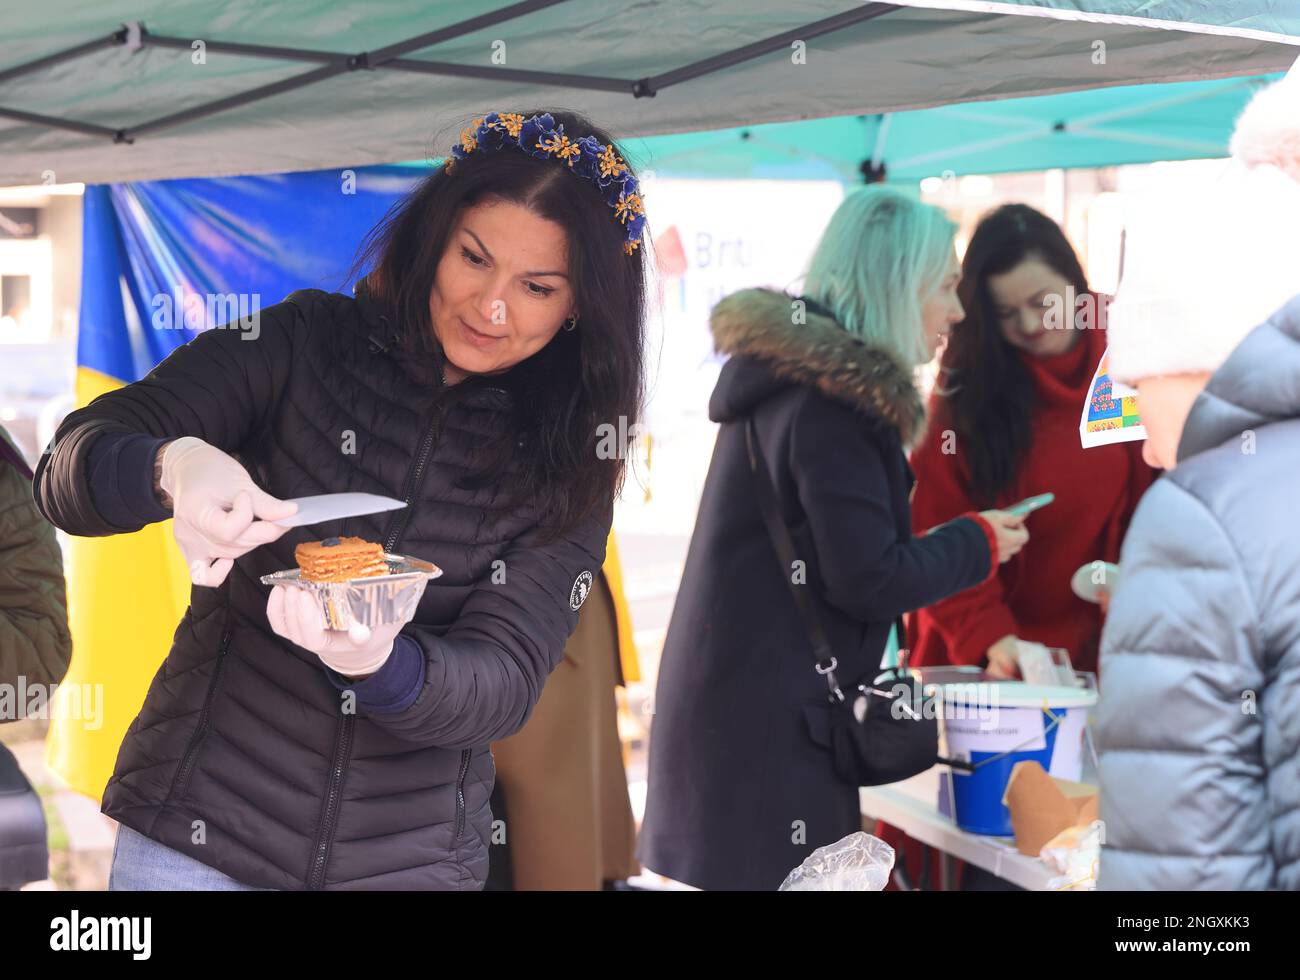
x=40, y=285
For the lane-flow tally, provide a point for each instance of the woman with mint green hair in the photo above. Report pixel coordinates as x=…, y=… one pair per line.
x=883, y=260
x=740, y=788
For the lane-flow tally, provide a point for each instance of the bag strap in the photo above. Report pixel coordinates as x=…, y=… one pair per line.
x=780, y=535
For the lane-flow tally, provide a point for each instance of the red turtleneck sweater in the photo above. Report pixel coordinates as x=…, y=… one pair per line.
x=1096, y=492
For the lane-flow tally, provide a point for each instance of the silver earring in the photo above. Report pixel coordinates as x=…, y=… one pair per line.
x=571, y=323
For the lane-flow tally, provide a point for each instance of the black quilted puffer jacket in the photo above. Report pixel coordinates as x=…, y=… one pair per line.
x=298, y=785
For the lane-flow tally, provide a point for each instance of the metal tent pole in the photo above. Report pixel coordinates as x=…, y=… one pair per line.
x=332, y=64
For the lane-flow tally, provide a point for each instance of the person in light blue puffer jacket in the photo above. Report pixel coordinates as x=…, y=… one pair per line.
x=1199, y=719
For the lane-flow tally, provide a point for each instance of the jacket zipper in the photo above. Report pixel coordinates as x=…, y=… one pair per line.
x=460, y=792
x=183, y=776
x=325, y=839
x=395, y=532
x=398, y=522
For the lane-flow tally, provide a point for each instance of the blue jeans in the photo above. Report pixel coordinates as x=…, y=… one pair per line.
x=142, y=864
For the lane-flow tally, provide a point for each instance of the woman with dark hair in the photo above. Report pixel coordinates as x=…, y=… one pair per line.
x=472, y=376
x=1004, y=426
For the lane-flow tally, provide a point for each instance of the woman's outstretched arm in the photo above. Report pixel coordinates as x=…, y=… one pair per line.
x=96, y=478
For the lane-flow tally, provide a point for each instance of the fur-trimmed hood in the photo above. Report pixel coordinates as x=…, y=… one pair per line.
x=771, y=352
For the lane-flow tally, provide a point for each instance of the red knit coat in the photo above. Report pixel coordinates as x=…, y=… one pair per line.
x=1096, y=492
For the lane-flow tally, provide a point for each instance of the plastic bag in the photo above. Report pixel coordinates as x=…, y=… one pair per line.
x=1073, y=854
x=858, y=863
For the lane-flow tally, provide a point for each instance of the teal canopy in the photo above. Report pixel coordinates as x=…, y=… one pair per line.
x=122, y=90
x=1101, y=127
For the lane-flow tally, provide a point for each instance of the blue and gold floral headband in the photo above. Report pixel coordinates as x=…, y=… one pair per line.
x=540, y=136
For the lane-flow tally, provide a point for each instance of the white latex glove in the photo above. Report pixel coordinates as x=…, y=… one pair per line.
x=296, y=615
x=218, y=512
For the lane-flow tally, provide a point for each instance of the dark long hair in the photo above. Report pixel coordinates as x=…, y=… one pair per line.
x=989, y=393
x=566, y=391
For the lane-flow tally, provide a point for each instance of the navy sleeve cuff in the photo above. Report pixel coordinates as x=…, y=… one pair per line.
x=120, y=476
x=394, y=686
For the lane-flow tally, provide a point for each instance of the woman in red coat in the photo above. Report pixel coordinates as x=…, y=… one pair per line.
x=1004, y=425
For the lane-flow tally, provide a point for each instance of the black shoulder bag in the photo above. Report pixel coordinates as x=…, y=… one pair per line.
x=886, y=732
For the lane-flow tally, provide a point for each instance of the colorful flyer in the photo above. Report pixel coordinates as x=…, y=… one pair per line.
x=1110, y=414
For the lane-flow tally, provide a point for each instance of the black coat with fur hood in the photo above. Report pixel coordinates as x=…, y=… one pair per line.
x=739, y=791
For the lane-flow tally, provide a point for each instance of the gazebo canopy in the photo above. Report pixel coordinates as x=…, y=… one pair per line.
x=119, y=91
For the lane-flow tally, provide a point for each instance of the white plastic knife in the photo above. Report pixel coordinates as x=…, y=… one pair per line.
x=332, y=506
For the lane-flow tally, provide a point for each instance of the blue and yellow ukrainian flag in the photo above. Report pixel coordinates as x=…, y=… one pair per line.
x=126, y=593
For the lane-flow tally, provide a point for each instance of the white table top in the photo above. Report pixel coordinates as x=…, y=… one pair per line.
x=912, y=806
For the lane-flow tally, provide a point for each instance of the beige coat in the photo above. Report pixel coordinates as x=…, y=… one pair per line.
x=568, y=820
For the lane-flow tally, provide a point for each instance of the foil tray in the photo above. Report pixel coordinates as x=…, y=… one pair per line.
x=375, y=600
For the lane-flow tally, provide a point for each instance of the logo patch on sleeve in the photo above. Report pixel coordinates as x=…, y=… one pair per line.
x=578, y=594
